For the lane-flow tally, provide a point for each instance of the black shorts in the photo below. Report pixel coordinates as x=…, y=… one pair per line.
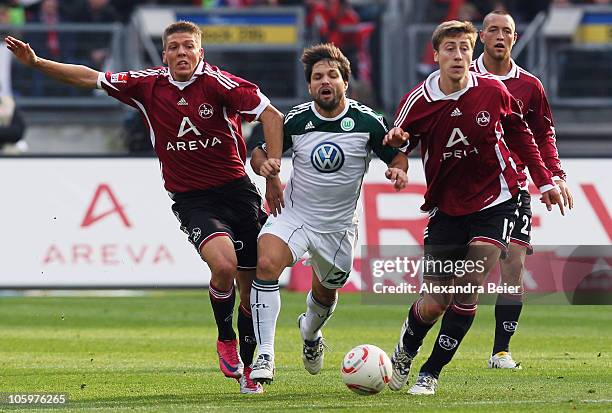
x=447, y=237
x=234, y=210
x=521, y=233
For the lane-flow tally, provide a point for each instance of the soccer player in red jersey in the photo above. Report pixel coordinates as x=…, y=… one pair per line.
x=498, y=36
x=193, y=111
x=464, y=122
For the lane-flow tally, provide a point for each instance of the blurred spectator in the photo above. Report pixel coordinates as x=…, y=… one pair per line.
x=11, y=12
x=12, y=127
x=96, y=11
x=337, y=22
x=51, y=44
x=46, y=43
x=342, y=27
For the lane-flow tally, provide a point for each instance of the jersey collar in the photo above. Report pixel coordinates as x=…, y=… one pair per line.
x=182, y=85
x=512, y=74
x=431, y=87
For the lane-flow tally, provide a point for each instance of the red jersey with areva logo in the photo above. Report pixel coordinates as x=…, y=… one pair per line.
x=195, y=126
x=463, y=139
x=529, y=93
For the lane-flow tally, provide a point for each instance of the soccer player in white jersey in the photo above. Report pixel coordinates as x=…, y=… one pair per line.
x=332, y=139
x=498, y=35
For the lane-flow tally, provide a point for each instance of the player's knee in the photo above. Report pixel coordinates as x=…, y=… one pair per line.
x=223, y=272
x=268, y=268
x=511, y=270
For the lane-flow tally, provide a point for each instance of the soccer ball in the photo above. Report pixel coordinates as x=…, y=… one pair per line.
x=366, y=370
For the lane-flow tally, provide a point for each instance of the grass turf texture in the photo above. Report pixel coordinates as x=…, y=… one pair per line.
x=157, y=353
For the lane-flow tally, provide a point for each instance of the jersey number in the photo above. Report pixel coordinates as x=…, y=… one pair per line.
x=508, y=226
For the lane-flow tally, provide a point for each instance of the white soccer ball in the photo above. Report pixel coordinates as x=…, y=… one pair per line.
x=366, y=369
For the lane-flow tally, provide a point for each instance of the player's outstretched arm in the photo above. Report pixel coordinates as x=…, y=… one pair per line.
x=397, y=171
x=74, y=75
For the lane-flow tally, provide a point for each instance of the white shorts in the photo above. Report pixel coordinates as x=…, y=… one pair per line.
x=331, y=253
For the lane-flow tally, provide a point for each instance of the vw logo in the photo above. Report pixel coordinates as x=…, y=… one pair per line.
x=327, y=157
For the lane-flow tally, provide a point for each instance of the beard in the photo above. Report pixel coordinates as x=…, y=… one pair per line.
x=328, y=105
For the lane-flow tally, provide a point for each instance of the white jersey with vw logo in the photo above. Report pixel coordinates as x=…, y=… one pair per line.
x=330, y=158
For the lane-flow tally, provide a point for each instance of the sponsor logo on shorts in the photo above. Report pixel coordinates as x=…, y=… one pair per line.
x=196, y=233
x=447, y=343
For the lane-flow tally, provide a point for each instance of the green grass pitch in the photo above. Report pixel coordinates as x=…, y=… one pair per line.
x=157, y=353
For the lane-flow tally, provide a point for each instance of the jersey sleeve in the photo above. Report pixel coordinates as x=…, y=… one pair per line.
x=402, y=121
x=520, y=140
x=541, y=123
x=377, y=133
x=123, y=86
x=242, y=96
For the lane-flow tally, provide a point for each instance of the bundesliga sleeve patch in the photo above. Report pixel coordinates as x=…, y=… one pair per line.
x=121, y=77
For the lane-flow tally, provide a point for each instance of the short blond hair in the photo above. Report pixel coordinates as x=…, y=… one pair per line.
x=183, y=27
x=453, y=28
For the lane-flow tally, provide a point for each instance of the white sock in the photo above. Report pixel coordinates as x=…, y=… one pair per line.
x=265, y=307
x=316, y=316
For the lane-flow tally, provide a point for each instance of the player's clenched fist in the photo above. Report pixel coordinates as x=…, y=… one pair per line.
x=398, y=177
x=396, y=138
x=271, y=167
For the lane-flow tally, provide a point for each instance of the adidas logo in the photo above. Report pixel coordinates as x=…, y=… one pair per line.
x=456, y=112
x=309, y=125
x=182, y=102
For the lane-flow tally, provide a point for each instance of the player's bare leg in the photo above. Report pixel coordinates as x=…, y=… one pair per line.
x=320, y=305
x=422, y=315
x=458, y=317
x=273, y=256
x=246, y=334
x=508, y=307
x=220, y=256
